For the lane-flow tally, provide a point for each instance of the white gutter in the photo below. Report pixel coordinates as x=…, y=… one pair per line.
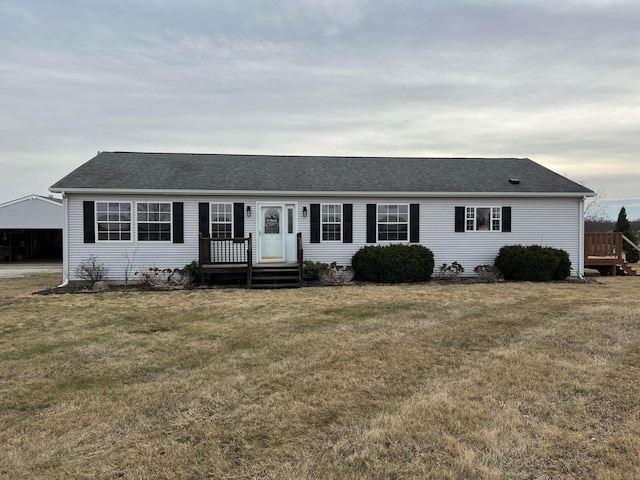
x=65, y=242
x=306, y=193
x=581, y=245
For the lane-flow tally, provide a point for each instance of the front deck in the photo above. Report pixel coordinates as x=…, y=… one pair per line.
x=231, y=259
x=604, y=252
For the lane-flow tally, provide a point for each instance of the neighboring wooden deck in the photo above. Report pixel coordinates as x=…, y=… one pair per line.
x=232, y=258
x=604, y=252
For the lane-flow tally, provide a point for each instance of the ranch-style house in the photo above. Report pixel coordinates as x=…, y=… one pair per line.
x=267, y=211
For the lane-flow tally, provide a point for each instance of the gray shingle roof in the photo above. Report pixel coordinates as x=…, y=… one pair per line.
x=124, y=171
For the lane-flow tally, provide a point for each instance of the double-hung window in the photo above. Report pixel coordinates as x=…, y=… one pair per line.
x=222, y=220
x=331, y=222
x=483, y=219
x=113, y=220
x=393, y=222
x=154, y=221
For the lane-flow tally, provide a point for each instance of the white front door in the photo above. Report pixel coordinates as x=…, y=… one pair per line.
x=272, y=233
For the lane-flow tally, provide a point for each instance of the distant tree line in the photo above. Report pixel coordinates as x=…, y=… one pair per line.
x=602, y=225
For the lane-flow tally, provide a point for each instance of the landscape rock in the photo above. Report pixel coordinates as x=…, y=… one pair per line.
x=100, y=286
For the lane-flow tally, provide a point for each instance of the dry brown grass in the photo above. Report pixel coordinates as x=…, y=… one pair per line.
x=503, y=381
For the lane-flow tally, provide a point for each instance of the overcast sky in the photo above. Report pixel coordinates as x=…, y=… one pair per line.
x=557, y=81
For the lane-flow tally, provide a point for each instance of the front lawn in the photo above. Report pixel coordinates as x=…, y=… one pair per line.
x=488, y=381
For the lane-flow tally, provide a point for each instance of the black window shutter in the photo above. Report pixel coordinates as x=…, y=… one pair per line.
x=238, y=220
x=314, y=230
x=89, y=221
x=459, y=219
x=178, y=222
x=371, y=223
x=506, y=219
x=347, y=223
x=414, y=223
x=204, y=219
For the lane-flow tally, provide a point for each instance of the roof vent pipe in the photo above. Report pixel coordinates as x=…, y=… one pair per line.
x=514, y=181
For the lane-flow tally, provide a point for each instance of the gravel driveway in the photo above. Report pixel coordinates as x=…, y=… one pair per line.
x=14, y=270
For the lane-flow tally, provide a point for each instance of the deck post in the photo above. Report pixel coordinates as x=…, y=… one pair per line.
x=249, y=260
x=299, y=256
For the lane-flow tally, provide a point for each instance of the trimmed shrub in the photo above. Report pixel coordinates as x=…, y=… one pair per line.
x=533, y=263
x=393, y=264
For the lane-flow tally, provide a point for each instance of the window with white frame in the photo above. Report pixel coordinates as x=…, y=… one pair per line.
x=113, y=220
x=154, y=221
x=484, y=219
x=222, y=220
x=331, y=222
x=393, y=222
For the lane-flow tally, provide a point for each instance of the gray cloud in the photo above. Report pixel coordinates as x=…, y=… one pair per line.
x=553, y=81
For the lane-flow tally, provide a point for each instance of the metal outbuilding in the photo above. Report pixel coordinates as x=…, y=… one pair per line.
x=31, y=229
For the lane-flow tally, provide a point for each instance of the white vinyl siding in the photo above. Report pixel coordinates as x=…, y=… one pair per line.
x=553, y=222
x=117, y=254
x=534, y=221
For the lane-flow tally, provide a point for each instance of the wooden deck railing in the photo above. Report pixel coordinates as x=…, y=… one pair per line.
x=234, y=255
x=226, y=251
x=603, y=251
x=604, y=245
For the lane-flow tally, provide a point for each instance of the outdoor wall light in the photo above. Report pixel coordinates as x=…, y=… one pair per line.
x=248, y=210
x=304, y=212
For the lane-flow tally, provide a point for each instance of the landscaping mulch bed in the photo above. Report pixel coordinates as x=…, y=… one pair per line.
x=133, y=287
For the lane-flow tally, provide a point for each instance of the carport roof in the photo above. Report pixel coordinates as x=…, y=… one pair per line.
x=32, y=212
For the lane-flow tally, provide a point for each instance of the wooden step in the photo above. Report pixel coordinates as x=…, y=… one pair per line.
x=274, y=285
x=275, y=276
x=628, y=270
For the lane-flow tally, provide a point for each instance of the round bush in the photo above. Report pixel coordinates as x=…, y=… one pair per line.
x=533, y=263
x=393, y=264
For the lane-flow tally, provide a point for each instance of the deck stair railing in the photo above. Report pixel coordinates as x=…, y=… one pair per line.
x=226, y=256
x=633, y=245
x=226, y=251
